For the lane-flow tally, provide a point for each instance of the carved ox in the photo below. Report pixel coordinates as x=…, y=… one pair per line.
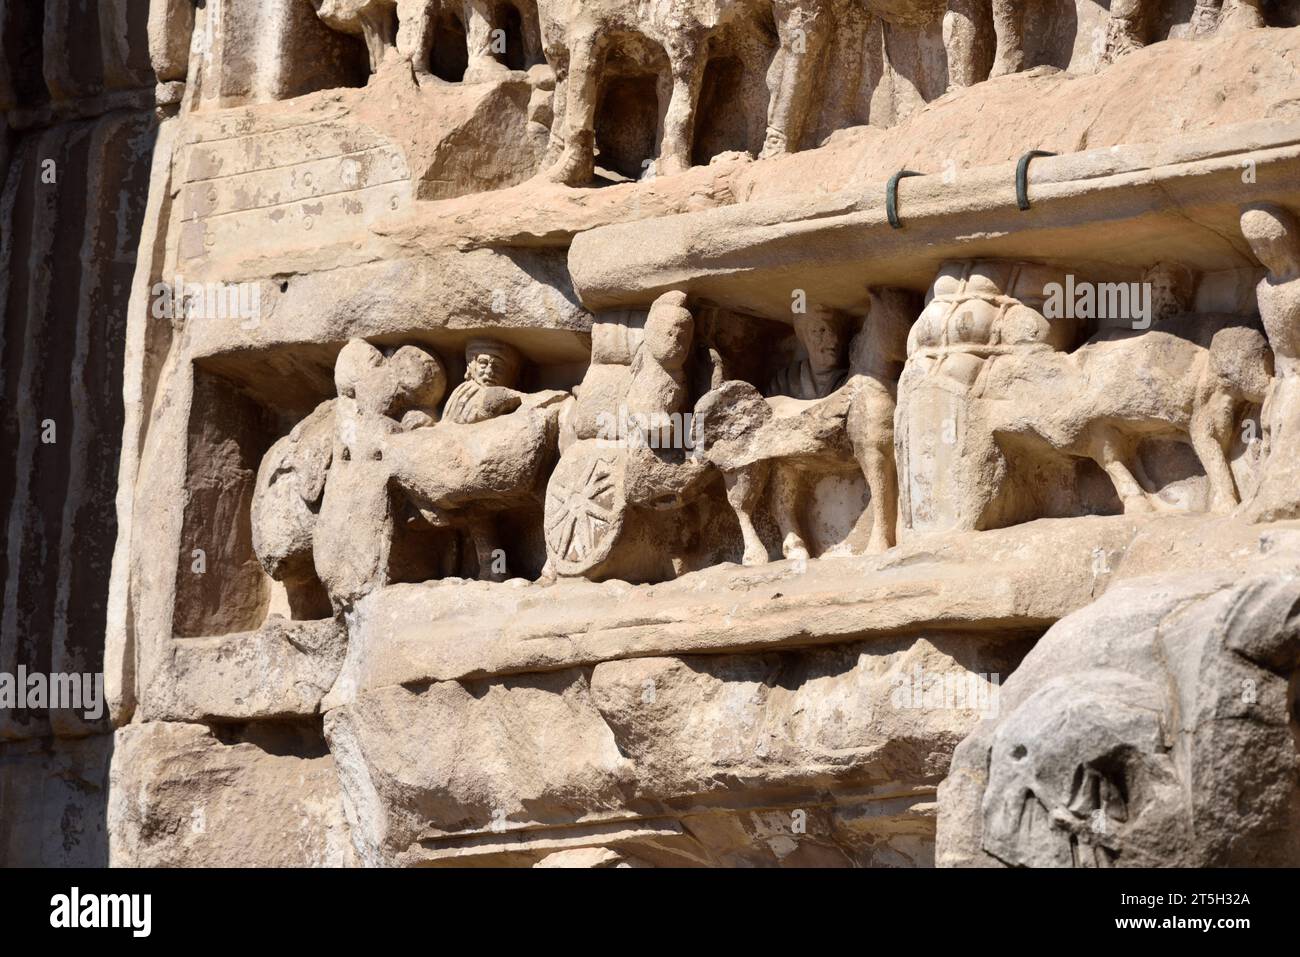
x=1187, y=377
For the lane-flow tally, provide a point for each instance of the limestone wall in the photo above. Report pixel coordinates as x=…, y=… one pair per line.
x=77, y=88
x=548, y=433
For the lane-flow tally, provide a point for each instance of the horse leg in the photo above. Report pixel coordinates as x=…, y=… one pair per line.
x=785, y=503
x=1111, y=453
x=961, y=42
x=1126, y=29
x=802, y=35
x=1241, y=15
x=1009, y=24
x=377, y=29
x=482, y=531
x=743, y=489
x=870, y=426
x=679, y=120
x=1211, y=432
x=415, y=22
x=558, y=58
x=478, y=40
x=576, y=165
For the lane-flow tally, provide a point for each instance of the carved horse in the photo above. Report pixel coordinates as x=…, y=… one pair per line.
x=1188, y=377
x=578, y=34
x=408, y=28
x=328, y=495
x=753, y=440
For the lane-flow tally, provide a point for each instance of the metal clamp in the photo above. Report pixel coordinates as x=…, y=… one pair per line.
x=891, y=196
x=1022, y=177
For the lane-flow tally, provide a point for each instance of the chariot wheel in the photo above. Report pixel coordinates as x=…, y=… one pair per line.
x=584, y=507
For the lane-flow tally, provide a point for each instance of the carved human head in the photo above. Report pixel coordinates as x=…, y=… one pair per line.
x=669, y=327
x=1274, y=236
x=823, y=335
x=1172, y=288
x=492, y=363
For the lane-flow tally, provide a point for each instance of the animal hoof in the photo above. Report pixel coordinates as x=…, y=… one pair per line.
x=671, y=166
x=1007, y=66
x=878, y=544
x=572, y=169
x=774, y=145
x=794, y=548
x=1138, y=505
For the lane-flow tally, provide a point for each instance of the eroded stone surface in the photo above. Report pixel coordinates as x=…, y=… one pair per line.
x=1120, y=735
x=179, y=796
x=549, y=439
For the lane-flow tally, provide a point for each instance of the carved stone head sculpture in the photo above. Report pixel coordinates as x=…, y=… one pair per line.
x=822, y=333
x=411, y=379
x=1156, y=727
x=1172, y=287
x=492, y=370
x=1274, y=236
x=492, y=363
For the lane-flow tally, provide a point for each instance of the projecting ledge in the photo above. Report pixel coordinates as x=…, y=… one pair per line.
x=1106, y=211
x=1003, y=584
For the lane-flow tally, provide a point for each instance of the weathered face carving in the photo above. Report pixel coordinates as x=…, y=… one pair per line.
x=1080, y=776
x=823, y=338
x=1169, y=293
x=409, y=379
x=488, y=369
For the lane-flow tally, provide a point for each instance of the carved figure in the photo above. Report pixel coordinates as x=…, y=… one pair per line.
x=408, y=28
x=353, y=461
x=1187, y=375
x=387, y=26
x=1274, y=236
x=626, y=448
x=490, y=370
x=827, y=412
x=1120, y=736
x=1128, y=28
x=579, y=34
x=289, y=495
x=951, y=470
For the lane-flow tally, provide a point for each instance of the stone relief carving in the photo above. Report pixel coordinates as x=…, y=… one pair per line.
x=328, y=495
x=951, y=469
x=989, y=381
x=604, y=470
x=1189, y=375
x=411, y=29
x=966, y=418
x=832, y=408
x=1274, y=236
x=588, y=45
x=1120, y=735
x=668, y=539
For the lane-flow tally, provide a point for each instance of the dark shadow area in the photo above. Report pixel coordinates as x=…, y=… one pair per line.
x=450, y=55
